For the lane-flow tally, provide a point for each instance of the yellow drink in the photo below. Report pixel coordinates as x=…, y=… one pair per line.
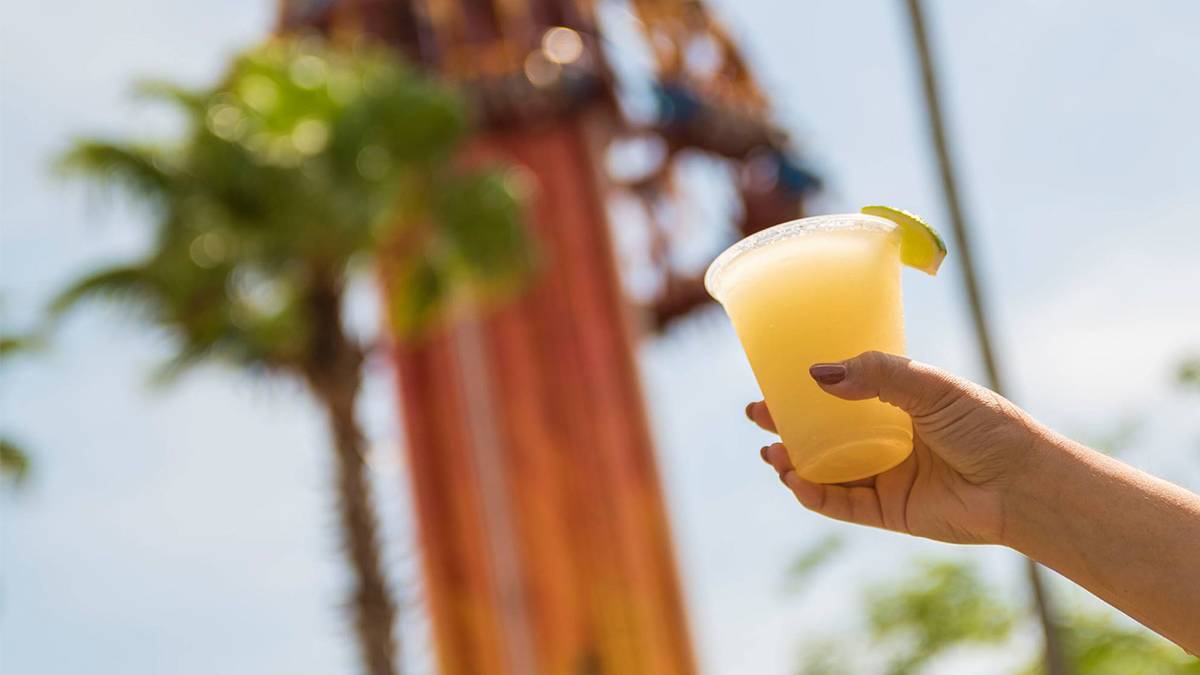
x=812, y=291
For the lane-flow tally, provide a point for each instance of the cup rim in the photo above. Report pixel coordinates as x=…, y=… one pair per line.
x=788, y=230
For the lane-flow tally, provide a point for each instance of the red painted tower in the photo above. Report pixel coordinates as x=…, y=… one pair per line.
x=544, y=537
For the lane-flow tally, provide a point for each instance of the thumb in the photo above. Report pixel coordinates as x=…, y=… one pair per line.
x=916, y=388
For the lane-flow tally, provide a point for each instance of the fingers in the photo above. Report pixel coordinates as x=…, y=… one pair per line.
x=914, y=387
x=758, y=413
x=852, y=504
x=776, y=455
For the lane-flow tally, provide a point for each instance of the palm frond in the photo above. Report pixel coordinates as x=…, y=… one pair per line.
x=169, y=371
x=482, y=222
x=14, y=344
x=126, y=166
x=14, y=462
x=417, y=292
x=130, y=284
x=188, y=99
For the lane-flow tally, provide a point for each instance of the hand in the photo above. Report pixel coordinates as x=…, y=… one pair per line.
x=970, y=446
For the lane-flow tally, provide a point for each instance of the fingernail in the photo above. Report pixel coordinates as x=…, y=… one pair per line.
x=763, y=453
x=828, y=373
x=748, y=415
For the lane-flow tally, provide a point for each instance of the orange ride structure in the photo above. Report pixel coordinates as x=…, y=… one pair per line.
x=544, y=537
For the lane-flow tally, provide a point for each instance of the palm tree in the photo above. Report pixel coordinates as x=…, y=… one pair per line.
x=14, y=460
x=303, y=160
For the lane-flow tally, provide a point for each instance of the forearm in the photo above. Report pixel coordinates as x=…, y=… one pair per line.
x=1129, y=538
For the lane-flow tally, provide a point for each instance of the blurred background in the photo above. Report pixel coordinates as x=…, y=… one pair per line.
x=539, y=457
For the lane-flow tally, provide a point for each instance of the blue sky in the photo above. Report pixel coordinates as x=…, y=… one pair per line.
x=189, y=530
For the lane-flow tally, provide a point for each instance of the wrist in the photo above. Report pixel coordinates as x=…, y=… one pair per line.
x=1033, y=500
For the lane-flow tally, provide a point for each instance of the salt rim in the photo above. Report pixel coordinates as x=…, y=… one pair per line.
x=792, y=228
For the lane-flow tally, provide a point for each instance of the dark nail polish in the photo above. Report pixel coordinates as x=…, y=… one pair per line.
x=828, y=373
x=748, y=415
x=763, y=453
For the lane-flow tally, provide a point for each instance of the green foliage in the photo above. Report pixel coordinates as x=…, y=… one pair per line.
x=15, y=344
x=14, y=462
x=1189, y=373
x=939, y=606
x=474, y=211
x=945, y=605
x=825, y=657
x=813, y=558
x=1099, y=645
x=131, y=167
x=304, y=157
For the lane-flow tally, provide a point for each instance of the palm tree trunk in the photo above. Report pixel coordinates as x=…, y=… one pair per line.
x=334, y=373
x=371, y=601
x=1054, y=658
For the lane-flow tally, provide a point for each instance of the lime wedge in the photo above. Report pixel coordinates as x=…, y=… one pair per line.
x=920, y=245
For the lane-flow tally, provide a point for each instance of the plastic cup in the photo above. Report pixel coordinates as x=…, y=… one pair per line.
x=819, y=290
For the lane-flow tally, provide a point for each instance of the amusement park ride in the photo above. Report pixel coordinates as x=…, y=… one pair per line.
x=543, y=531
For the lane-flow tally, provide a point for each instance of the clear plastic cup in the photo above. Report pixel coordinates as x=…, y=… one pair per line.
x=819, y=290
